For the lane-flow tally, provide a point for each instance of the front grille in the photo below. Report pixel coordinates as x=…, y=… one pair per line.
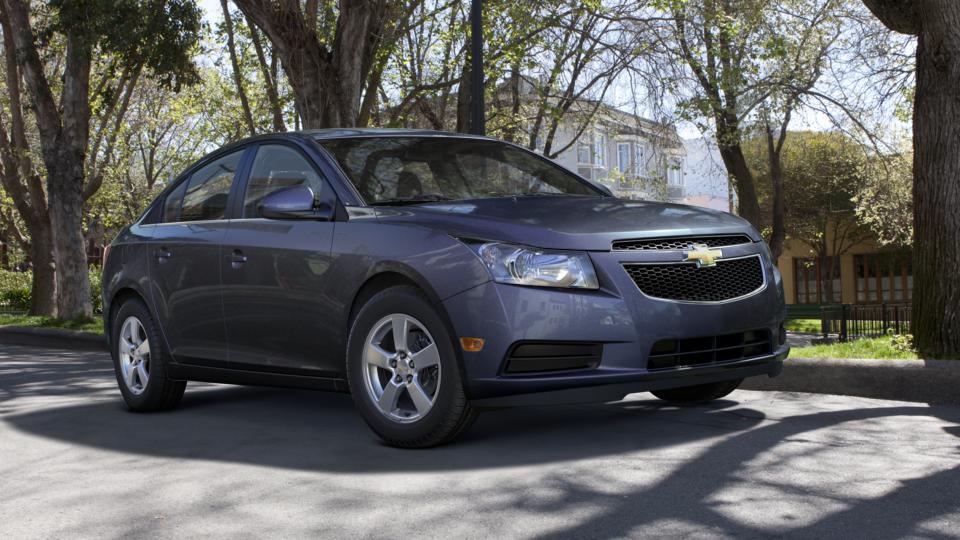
x=680, y=243
x=729, y=279
x=674, y=353
x=544, y=357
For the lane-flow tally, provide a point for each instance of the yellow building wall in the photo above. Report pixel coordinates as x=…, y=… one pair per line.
x=848, y=279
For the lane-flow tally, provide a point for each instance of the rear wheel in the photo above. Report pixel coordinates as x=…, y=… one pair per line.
x=140, y=360
x=701, y=393
x=403, y=373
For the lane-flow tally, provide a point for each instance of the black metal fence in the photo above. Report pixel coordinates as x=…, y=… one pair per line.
x=848, y=321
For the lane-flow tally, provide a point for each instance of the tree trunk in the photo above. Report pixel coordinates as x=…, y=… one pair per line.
x=64, y=129
x=65, y=186
x=237, y=72
x=327, y=80
x=464, y=97
x=736, y=164
x=269, y=78
x=43, y=296
x=778, y=234
x=936, y=191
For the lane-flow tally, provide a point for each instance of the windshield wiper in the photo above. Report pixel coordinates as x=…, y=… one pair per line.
x=414, y=199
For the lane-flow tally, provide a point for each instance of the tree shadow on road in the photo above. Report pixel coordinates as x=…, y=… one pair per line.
x=703, y=490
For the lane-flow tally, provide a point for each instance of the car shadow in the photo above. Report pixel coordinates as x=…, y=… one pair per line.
x=315, y=431
x=307, y=430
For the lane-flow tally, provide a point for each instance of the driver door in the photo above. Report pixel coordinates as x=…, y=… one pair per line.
x=277, y=311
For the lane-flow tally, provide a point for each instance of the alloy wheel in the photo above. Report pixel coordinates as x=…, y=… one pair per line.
x=134, y=348
x=401, y=368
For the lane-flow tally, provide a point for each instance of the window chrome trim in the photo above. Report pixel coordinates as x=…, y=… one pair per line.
x=755, y=292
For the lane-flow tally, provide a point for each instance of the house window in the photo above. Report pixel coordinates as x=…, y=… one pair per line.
x=583, y=152
x=883, y=277
x=639, y=159
x=600, y=149
x=811, y=282
x=674, y=174
x=623, y=157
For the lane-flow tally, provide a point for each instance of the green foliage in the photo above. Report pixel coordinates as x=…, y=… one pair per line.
x=15, y=290
x=808, y=326
x=83, y=324
x=885, y=201
x=885, y=348
x=902, y=343
x=822, y=173
x=162, y=36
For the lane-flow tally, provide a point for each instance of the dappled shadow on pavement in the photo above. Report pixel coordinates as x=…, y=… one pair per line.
x=30, y=372
x=743, y=463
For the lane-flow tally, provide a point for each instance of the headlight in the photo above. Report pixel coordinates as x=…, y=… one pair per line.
x=521, y=265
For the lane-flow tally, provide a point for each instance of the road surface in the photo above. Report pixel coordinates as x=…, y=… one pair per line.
x=245, y=462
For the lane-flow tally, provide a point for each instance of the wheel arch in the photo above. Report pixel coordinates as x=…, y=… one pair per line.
x=388, y=276
x=121, y=295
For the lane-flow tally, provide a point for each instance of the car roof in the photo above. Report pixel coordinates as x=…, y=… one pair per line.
x=339, y=133
x=345, y=133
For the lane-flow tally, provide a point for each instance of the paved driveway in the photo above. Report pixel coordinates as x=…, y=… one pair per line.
x=263, y=462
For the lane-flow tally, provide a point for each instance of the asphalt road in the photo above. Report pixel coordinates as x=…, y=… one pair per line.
x=245, y=462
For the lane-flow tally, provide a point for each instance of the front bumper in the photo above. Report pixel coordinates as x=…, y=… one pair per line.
x=619, y=317
x=770, y=365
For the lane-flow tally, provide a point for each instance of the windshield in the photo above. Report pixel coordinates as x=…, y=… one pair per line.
x=407, y=170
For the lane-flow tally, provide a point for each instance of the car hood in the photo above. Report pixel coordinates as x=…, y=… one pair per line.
x=567, y=222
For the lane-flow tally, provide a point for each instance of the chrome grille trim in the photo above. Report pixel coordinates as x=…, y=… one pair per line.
x=677, y=243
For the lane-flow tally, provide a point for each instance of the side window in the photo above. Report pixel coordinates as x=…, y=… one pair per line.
x=277, y=167
x=209, y=189
x=171, y=207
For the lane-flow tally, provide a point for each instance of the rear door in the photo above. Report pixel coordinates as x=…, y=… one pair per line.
x=278, y=312
x=184, y=261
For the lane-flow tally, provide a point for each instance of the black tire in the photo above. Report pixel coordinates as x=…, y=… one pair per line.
x=701, y=393
x=160, y=392
x=450, y=414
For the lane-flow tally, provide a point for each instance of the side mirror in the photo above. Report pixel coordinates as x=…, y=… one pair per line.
x=296, y=202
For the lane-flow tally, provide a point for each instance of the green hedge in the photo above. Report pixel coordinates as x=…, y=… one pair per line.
x=15, y=290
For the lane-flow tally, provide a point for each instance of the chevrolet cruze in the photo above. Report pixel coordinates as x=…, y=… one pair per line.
x=431, y=275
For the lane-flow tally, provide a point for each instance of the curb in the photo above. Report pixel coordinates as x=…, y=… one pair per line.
x=927, y=381
x=52, y=337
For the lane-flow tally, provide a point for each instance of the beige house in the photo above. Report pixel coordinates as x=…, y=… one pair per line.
x=635, y=157
x=866, y=273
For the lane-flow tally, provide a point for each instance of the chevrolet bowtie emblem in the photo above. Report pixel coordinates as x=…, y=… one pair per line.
x=702, y=255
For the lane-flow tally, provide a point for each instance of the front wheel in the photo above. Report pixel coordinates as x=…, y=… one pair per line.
x=403, y=373
x=701, y=393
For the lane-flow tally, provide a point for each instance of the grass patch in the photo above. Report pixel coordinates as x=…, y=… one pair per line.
x=883, y=348
x=809, y=326
x=92, y=324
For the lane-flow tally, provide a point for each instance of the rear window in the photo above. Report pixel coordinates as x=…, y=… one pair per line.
x=171, y=207
x=208, y=190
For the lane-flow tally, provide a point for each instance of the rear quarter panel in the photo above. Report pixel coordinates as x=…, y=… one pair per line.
x=126, y=269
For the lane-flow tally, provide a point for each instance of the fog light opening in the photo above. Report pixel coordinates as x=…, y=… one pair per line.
x=472, y=344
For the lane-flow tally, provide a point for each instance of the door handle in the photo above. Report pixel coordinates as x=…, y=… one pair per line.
x=237, y=259
x=163, y=254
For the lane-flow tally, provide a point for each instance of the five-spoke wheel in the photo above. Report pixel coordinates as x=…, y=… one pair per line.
x=134, y=348
x=403, y=371
x=402, y=367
